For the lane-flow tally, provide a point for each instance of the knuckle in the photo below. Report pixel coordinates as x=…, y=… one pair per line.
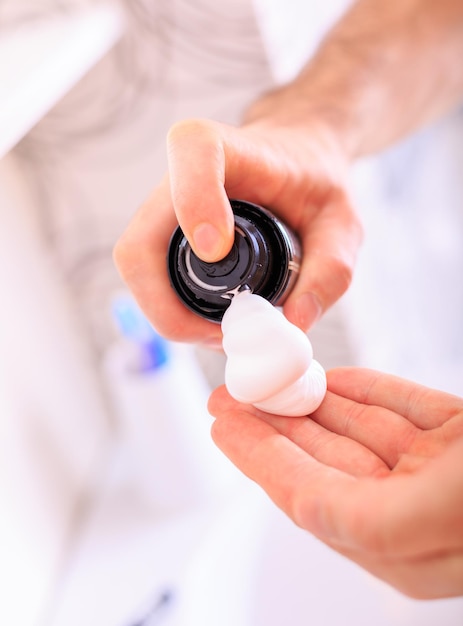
x=343, y=271
x=122, y=255
x=340, y=272
x=168, y=330
x=344, y=276
x=130, y=259
x=303, y=516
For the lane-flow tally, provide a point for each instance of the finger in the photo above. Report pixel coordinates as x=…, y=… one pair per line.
x=293, y=480
x=402, y=516
x=361, y=533
x=197, y=163
x=396, y=516
x=384, y=432
x=325, y=446
x=331, y=238
x=140, y=256
x=422, y=406
x=371, y=541
x=210, y=161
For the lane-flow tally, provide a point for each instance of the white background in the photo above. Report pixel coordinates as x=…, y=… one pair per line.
x=83, y=539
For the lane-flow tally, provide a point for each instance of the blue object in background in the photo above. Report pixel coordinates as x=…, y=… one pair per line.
x=153, y=350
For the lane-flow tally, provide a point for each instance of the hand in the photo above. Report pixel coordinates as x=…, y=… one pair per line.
x=298, y=173
x=376, y=473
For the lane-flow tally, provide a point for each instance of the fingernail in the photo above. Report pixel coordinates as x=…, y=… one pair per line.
x=207, y=241
x=308, y=310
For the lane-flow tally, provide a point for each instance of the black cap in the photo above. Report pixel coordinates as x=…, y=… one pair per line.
x=264, y=258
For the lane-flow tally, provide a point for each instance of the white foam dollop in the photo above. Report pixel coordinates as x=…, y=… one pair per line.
x=269, y=360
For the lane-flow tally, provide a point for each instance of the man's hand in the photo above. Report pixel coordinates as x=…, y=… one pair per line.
x=383, y=70
x=376, y=473
x=298, y=173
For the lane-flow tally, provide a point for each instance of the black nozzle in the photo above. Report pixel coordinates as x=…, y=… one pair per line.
x=264, y=258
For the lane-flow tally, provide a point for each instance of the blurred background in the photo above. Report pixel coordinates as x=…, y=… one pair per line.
x=115, y=508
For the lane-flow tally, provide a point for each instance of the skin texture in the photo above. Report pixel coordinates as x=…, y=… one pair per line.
x=386, y=68
x=303, y=184
x=375, y=473
x=387, y=495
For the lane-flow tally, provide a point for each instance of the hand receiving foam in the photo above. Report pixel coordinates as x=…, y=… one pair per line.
x=269, y=362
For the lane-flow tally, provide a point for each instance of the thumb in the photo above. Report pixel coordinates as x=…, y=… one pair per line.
x=196, y=161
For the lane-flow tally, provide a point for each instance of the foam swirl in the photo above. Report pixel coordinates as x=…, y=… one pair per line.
x=269, y=360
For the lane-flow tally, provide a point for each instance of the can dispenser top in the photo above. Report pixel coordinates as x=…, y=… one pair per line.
x=264, y=259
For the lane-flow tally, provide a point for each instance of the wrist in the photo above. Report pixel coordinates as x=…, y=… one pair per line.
x=383, y=71
x=293, y=114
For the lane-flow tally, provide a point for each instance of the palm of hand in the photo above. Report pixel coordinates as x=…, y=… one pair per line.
x=376, y=473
